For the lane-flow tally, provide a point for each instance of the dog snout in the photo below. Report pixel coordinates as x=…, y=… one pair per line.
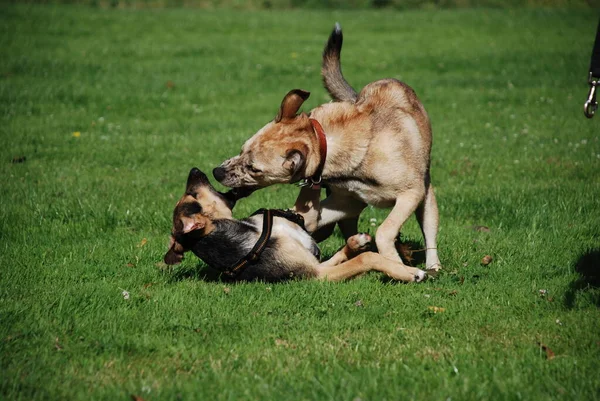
x=219, y=173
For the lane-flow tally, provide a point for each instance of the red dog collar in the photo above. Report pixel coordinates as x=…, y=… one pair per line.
x=315, y=180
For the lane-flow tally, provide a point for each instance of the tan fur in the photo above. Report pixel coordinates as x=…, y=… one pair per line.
x=293, y=251
x=379, y=146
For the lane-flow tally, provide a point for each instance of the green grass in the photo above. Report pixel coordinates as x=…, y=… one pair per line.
x=85, y=217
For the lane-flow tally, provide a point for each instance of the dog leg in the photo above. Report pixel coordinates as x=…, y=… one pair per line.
x=323, y=233
x=308, y=205
x=428, y=218
x=386, y=234
x=336, y=208
x=349, y=227
x=354, y=245
x=368, y=261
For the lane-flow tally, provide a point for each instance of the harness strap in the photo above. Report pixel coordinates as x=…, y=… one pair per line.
x=260, y=245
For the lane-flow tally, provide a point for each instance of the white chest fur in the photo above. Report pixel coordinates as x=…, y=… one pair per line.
x=283, y=227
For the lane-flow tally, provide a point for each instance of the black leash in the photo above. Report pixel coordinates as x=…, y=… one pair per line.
x=260, y=245
x=591, y=104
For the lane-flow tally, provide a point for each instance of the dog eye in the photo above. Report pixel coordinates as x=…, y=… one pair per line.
x=253, y=169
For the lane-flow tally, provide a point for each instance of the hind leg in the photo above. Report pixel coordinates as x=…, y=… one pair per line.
x=349, y=227
x=365, y=262
x=354, y=245
x=428, y=218
x=406, y=204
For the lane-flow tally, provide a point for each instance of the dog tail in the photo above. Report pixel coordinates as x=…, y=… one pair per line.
x=331, y=71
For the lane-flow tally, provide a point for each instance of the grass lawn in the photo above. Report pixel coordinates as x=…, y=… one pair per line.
x=103, y=112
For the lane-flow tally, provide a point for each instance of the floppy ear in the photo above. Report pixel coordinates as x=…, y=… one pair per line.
x=294, y=162
x=291, y=104
x=175, y=253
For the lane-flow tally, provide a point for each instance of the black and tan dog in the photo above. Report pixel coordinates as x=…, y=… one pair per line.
x=269, y=246
x=368, y=148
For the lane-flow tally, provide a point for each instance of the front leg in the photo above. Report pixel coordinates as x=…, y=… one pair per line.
x=336, y=208
x=308, y=206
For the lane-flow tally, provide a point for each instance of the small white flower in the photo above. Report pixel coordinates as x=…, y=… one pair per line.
x=125, y=294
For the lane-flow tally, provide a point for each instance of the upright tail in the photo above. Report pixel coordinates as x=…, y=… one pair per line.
x=331, y=71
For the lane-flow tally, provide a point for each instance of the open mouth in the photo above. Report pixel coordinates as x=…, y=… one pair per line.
x=235, y=194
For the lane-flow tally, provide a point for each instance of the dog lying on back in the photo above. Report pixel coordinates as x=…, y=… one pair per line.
x=368, y=148
x=203, y=224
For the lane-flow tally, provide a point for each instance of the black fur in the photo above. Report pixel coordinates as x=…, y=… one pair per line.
x=230, y=241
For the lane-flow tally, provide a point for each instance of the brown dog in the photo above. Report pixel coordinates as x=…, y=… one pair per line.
x=250, y=249
x=378, y=145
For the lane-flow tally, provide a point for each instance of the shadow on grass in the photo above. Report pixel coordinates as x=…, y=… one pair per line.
x=412, y=253
x=588, y=267
x=200, y=272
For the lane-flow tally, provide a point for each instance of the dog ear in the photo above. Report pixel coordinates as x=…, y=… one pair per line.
x=175, y=253
x=195, y=177
x=192, y=223
x=294, y=162
x=291, y=104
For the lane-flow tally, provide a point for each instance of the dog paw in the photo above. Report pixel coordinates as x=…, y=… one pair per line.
x=420, y=275
x=359, y=242
x=434, y=268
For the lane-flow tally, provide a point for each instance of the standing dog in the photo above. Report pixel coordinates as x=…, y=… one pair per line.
x=378, y=145
x=250, y=249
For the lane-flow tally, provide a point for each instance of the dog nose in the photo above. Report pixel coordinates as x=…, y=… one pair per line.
x=219, y=173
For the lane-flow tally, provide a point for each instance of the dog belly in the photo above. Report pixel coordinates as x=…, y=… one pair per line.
x=375, y=196
x=283, y=227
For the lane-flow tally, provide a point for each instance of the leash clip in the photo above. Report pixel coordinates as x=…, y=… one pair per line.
x=591, y=105
x=303, y=183
x=310, y=182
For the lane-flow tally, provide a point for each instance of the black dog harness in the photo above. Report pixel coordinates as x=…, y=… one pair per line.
x=260, y=245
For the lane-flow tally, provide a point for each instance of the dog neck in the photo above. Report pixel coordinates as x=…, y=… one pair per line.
x=315, y=179
x=334, y=119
